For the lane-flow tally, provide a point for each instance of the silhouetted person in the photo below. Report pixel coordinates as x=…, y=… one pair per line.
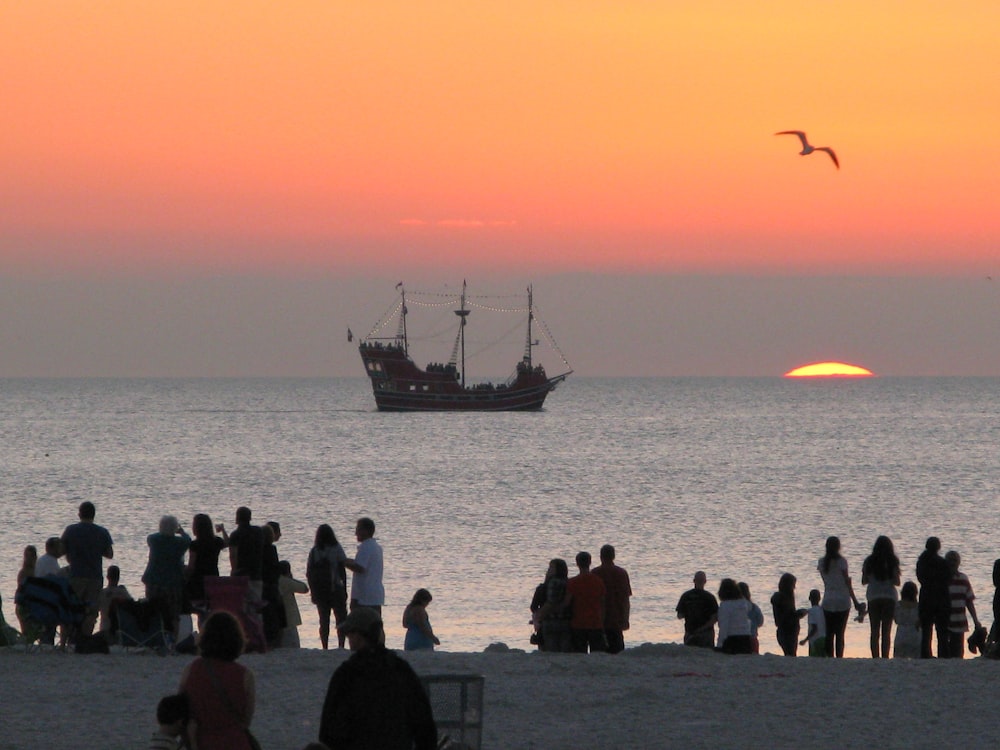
x=586, y=602
x=375, y=699
x=699, y=610
x=934, y=603
x=617, y=592
x=85, y=544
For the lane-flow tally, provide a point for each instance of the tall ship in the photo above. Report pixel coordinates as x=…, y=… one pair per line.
x=398, y=384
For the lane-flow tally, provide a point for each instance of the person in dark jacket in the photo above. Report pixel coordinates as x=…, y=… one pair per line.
x=935, y=602
x=375, y=700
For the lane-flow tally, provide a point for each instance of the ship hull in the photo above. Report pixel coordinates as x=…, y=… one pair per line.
x=399, y=385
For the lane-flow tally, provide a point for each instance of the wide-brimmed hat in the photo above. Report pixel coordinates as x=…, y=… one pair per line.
x=360, y=620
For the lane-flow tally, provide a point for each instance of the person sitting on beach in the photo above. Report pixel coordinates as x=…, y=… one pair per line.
x=48, y=564
x=111, y=594
x=358, y=711
x=733, y=617
x=172, y=714
x=907, y=616
x=289, y=587
x=222, y=693
x=880, y=572
x=586, y=602
x=419, y=633
x=816, y=619
x=617, y=593
x=787, y=616
x=755, y=615
x=699, y=610
x=962, y=599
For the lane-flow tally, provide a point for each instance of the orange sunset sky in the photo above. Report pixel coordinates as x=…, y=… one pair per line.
x=221, y=188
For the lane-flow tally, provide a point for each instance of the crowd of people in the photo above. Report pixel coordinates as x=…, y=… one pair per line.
x=939, y=609
x=216, y=697
x=590, y=611
x=183, y=572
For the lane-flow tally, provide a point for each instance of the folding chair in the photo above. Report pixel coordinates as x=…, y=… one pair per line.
x=140, y=625
x=232, y=594
x=48, y=603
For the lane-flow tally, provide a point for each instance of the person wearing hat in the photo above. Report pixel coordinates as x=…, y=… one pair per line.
x=375, y=699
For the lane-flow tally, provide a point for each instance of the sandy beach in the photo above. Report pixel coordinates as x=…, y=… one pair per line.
x=651, y=696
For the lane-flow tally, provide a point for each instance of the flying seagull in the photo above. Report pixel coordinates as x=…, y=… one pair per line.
x=806, y=148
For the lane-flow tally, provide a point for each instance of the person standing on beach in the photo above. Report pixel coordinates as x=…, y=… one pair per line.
x=933, y=573
x=327, y=581
x=366, y=583
x=816, y=620
x=85, y=544
x=246, y=551
x=962, y=599
x=786, y=615
x=164, y=574
x=880, y=572
x=586, y=602
x=555, y=614
x=617, y=592
x=838, y=594
x=699, y=610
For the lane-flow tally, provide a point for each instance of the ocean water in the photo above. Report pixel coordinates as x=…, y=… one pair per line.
x=742, y=478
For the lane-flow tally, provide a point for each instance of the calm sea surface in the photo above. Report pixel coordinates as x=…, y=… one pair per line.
x=740, y=477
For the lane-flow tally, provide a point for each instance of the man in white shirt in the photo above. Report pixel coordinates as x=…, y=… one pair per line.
x=366, y=583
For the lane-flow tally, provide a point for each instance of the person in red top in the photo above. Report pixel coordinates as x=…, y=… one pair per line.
x=617, y=590
x=585, y=593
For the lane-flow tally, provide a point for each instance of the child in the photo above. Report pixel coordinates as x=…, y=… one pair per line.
x=172, y=715
x=816, y=636
x=289, y=587
x=962, y=599
x=113, y=592
x=907, y=643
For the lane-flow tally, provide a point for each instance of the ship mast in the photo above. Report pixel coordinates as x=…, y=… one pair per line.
x=527, y=343
x=462, y=313
x=402, y=318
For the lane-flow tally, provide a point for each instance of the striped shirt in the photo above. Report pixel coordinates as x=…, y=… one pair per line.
x=960, y=594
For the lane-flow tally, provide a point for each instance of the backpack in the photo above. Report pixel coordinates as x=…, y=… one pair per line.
x=319, y=576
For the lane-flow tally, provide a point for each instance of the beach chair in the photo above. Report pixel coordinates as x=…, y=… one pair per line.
x=48, y=603
x=232, y=594
x=140, y=625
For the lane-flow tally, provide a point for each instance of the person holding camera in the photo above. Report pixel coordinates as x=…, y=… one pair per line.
x=164, y=575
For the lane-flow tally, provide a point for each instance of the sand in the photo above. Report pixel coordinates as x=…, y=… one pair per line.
x=651, y=696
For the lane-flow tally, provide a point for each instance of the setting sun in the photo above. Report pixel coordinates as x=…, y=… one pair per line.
x=829, y=370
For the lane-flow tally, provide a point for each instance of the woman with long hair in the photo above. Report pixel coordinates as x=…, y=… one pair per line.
x=787, y=616
x=734, y=620
x=555, y=614
x=838, y=593
x=203, y=555
x=419, y=633
x=221, y=693
x=880, y=572
x=327, y=581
